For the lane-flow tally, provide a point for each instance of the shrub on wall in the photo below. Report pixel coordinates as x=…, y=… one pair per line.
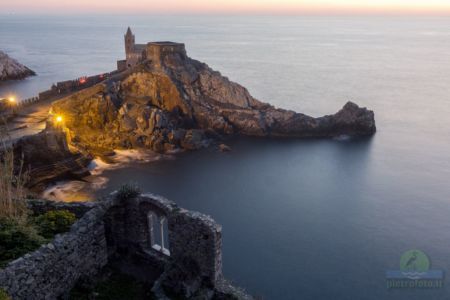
x=128, y=191
x=4, y=295
x=54, y=222
x=17, y=239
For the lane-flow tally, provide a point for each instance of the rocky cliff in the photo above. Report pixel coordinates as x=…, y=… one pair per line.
x=46, y=157
x=10, y=69
x=178, y=102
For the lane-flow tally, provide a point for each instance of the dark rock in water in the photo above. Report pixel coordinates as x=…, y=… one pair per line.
x=177, y=102
x=10, y=69
x=46, y=156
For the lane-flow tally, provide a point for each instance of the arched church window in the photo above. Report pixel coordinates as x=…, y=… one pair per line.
x=158, y=233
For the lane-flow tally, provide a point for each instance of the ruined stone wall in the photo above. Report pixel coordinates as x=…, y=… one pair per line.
x=118, y=232
x=40, y=207
x=53, y=269
x=194, y=239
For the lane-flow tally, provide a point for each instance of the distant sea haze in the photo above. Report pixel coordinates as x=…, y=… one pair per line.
x=302, y=219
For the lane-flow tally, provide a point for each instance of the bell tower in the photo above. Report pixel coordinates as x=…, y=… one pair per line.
x=129, y=42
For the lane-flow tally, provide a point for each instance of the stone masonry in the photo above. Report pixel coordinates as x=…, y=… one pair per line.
x=53, y=269
x=148, y=237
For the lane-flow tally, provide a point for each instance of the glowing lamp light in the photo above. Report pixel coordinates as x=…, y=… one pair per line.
x=59, y=119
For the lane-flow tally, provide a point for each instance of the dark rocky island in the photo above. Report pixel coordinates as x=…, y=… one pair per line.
x=162, y=100
x=166, y=101
x=10, y=69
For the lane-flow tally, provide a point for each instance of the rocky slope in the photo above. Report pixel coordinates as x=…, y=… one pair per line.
x=10, y=69
x=46, y=157
x=179, y=102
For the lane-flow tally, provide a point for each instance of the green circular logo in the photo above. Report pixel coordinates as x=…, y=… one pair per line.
x=414, y=260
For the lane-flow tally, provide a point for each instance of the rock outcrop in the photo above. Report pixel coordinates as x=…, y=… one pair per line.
x=178, y=102
x=10, y=69
x=46, y=157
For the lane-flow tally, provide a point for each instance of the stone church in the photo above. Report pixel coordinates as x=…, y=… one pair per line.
x=153, y=51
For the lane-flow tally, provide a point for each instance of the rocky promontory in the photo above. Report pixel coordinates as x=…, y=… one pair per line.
x=10, y=69
x=177, y=102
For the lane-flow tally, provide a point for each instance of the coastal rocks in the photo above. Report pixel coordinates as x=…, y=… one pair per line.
x=10, y=69
x=46, y=156
x=179, y=102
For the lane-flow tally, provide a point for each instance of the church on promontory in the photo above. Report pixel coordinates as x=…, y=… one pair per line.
x=136, y=53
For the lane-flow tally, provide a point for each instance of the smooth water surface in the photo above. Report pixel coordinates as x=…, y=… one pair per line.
x=302, y=219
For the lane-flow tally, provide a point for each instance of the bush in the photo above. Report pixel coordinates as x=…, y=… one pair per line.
x=54, y=222
x=17, y=239
x=4, y=295
x=128, y=191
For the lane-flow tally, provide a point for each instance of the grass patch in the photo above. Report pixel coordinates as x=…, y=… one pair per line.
x=54, y=222
x=16, y=239
x=21, y=236
x=4, y=295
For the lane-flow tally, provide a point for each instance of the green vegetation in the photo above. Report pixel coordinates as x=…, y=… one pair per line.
x=128, y=191
x=4, y=295
x=20, y=236
x=17, y=239
x=113, y=286
x=54, y=222
x=21, y=233
x=12, y=180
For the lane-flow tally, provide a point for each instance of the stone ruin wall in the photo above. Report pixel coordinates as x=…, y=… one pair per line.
x=53, y=269
x=192, y=236
x=118, y=232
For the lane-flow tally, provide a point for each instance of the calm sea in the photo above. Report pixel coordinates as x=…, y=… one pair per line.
x=302, y=219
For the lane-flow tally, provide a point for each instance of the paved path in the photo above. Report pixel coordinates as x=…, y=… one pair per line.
x=30, y=120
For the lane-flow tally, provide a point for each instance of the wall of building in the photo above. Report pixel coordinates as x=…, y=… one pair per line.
x=193, y=241
x=54, y=268
x=118, y=232
x=156, y=51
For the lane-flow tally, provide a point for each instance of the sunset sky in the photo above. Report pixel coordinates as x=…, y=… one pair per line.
x=227, y=6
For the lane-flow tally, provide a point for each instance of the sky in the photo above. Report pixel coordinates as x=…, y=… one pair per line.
x=227, y=6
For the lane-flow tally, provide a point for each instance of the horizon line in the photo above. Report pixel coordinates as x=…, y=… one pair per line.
x=235, y=13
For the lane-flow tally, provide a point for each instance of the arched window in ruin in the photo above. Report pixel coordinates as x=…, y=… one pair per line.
x=158, y=233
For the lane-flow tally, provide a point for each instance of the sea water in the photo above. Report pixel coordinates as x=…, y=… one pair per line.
x=302, y=219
